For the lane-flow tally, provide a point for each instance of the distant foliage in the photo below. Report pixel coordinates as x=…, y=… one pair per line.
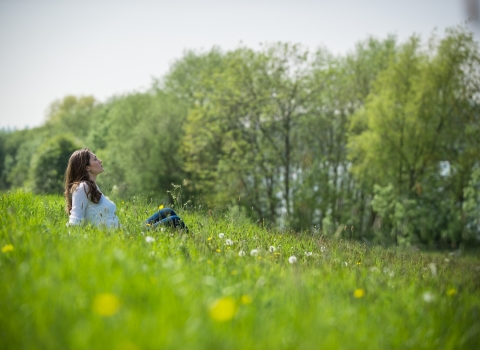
x=49, y=164
x=380, y=144
x=72, y=113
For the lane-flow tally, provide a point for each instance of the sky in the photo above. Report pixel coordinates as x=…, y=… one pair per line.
x=53, y=48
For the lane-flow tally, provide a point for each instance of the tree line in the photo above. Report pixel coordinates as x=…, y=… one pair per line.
x=380, y=144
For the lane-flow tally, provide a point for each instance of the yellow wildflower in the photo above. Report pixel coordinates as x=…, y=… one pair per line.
x=359, y=293
x=451, y=292
x=209, y=238
x=218, y=250
x=223, y=309
x=7, y=248
x=246, y=299
x=106, y=304
x=160, y=207
x=127, y=346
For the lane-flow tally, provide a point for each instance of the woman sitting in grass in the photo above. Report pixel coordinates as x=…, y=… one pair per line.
x=86, y=203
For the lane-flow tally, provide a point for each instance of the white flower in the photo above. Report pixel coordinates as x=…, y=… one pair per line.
x=292, y=259
x=221, y=235
x=308, y=253
x=254, y=252
x=228, y=242
x=149, y=239
x=323, y=249
x=272, y=249
x=162, y=229
x=241, y=253
x=428, y=297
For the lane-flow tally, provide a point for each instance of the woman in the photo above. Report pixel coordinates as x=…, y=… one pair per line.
x=86, y=203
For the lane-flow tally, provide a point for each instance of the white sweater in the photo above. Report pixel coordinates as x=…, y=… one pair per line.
x=83, y=210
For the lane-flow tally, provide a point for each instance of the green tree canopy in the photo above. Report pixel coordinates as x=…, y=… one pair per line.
x=49, y=164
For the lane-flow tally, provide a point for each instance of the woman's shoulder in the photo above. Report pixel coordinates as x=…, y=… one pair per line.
x=82, y=185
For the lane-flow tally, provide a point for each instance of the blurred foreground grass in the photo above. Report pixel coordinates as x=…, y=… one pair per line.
x=85, y=288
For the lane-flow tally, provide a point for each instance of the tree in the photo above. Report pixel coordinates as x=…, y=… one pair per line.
x=72, y=114
x=49, y=164
x=327, y=196
x=139, y=140
x=411, y=138
x=241, y=139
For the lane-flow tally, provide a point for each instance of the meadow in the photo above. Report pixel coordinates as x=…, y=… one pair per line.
x=227, y=284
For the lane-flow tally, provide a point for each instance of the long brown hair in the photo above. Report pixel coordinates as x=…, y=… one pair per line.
x=75, y=174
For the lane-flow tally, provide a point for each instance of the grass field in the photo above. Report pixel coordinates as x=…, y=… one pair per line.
x=228, y=284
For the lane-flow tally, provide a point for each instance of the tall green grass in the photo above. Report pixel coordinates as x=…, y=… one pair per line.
x=87, y=288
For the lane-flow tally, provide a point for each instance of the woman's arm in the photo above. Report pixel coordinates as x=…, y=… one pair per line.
x=79, y=205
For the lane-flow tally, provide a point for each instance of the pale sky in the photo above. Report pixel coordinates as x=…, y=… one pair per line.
x=53, y=48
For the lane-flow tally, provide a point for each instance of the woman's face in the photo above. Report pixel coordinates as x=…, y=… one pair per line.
x=95, y=166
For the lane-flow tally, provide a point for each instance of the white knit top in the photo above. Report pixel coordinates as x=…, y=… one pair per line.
x=83, y=210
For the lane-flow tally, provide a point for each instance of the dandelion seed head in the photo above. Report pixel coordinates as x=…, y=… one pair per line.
x=308, y=253
x=272, y=249
x=149, y=239
x=292, y=259
x=428, y=297
x=228, y=242
x=433, y=269
x=241, y=253
x=254, y=252
x=323, y=249
x=221, y=235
